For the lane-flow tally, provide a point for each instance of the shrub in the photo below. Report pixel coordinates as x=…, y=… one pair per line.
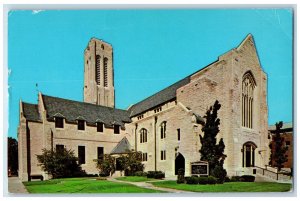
x=227, y=179
x=207, y=180
x=192, y=180
x=103, y=174
x=150, y=174
x=219, y=173
x=60, y=163
x=235, y=179
x=180, y=176
x=106, y=165
x=159, y=175
x=211, y=180
x=202, y=180
x=247, y=178
x=156, y=174
x=139, y=173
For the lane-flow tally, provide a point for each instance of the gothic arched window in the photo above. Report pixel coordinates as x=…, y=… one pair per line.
x=105, y=61
x=248, y=86
x=163, y=130
x=97, y=69
x=143, y=135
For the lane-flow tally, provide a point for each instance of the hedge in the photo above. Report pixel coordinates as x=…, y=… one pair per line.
x=155, y=174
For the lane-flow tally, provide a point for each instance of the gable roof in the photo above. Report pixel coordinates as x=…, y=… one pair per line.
x=122, y=147
x=31, y=112
x=91, y=113
x=159, y=98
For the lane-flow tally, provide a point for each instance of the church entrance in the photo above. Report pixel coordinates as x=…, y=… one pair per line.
x=248, y=152
x=179, y=163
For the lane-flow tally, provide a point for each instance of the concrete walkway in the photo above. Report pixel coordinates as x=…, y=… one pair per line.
x=15, y=186
x=149, y=186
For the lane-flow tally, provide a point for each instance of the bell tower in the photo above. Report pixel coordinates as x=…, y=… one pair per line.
x=98, y=73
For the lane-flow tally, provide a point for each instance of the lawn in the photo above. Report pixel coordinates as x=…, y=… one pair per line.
x=83, y=185
x=135, y=179
x=228, y=187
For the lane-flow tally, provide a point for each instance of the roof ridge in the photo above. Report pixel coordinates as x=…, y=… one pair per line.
x=81, y=102
x=29, y=103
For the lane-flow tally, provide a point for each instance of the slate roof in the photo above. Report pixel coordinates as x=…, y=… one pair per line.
x=74, y=110
x=122, y=147
x=31, y=112
x=157, y=99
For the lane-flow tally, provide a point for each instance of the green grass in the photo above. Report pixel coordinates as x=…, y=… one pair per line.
x=83, y=185
x=228, y=187
x=135, y=179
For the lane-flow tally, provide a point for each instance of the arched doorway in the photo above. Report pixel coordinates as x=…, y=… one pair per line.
x=248, y=152
x=179, y=163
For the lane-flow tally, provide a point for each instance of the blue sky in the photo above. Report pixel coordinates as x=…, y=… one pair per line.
x=152, y=50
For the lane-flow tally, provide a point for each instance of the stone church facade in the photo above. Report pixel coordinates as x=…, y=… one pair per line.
x=165, y=127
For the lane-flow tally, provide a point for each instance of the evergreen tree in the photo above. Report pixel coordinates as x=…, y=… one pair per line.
x=12, y=155
x=280, y=150
x=210, y=151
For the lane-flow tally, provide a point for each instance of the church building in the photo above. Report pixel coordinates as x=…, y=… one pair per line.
x=165, y=127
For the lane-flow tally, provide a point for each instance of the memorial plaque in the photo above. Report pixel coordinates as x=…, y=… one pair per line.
x=199, y=168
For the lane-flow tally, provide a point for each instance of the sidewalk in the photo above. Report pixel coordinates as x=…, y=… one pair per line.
x=149, y=186
x=15, y=186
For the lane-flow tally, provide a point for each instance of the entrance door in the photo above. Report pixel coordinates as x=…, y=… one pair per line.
x=248, y=153
x=179, y=163
x=248, y=156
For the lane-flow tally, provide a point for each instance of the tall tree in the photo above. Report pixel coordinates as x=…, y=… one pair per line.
x=279, y=151
x=12, y=155
x=210, y=151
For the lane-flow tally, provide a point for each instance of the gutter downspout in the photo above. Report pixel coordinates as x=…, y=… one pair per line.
x=155, y=163
x=135, y=147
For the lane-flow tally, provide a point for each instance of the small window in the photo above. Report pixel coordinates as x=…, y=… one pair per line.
x=100, y=153
x=59, y=122
x=140, y=117
x=81, y=125
x=81, y=154
x=59, y=148
x=143, y=135
x=144, y=157
x=100, y=127
x=158, y=109
x=116, y=129
x=163, y=155
x=178, y=134
x=287, y=143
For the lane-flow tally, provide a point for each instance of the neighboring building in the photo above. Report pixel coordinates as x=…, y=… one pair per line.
x=165, y=126
x=287, y=133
